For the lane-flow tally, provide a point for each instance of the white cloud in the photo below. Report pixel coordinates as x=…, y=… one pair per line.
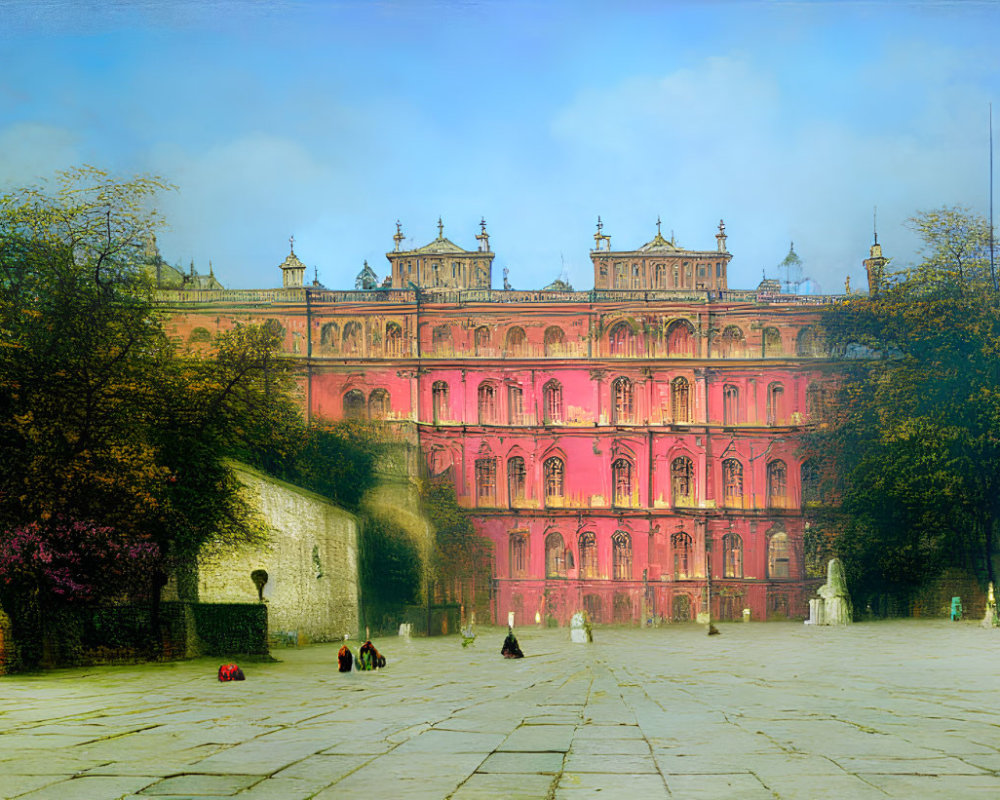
x=721, y=138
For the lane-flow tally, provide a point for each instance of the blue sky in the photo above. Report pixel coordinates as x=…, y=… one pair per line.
x=331, y=120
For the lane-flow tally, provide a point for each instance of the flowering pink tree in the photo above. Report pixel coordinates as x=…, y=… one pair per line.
x=73, y=560
x=47, y=566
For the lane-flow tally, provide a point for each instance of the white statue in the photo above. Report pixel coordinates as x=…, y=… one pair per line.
x=833, y=606
x=579, y=628
x=990, y=620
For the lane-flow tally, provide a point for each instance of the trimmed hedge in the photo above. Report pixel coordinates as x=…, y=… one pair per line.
x=231, y=628
x=82, y=635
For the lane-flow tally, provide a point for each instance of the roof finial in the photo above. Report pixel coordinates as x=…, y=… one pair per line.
x=291, y=244
x=875, y=223
x=398, y=238
x=440, y=228
x=657, y=224
x=211, y=271
x=600, y=237
x=483, y=237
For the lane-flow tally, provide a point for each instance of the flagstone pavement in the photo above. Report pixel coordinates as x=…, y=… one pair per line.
x=905, y=709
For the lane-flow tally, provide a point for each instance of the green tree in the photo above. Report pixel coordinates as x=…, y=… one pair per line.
x=461, y=558
x=101, y=419
x=913, y=443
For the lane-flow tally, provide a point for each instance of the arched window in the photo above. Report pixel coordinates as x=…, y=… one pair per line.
x=552, y=402
x=393, y=340
x=441, y=340
x=775, y=404
x=515, y=342
x=682, y=480
x=354, y=404
x=730, y=405
x=731, y=343
x=815, y=402
x=777, y=484
x=732, y=482
x=554, y=478
x=679, y=400
x=555, y=556
x=811, y=489
x=680, y=339
x=621, y=275
x=482, y=341
x=515, y=405
x=594, y=606
x=486, y=481
x=515, y=480
x=352, y=339
x=621, y=397
x=622, y=340
x=378, y=404
x=487, y=396
x=661, y=276
x=621, y=478
x=807, y=343
x=518, y=553
x=622, y=612
x=554, y=341
x=588, y=555
x=732, y=556
x=771, y=338
x=621, y=556
x=778, y=562
x=680, y=544
x=439, y=396
x=329, y=336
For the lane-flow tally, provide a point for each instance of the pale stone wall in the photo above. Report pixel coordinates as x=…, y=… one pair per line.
x=311, y=558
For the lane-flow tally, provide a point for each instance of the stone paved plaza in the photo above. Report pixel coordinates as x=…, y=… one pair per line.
x=889, y=709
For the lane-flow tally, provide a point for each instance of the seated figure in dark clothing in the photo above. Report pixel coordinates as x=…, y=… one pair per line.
x=345, y=659
x=510, y=648
x=369, y=657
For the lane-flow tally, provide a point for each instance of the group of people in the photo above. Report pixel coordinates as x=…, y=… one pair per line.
x=368, y=658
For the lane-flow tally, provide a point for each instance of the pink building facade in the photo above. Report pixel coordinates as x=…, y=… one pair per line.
x=632, y=452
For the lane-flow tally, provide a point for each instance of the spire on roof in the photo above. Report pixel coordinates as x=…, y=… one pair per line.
x=483, y=237
x=600, y=237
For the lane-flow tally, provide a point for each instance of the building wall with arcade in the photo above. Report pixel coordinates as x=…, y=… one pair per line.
x=635, y=453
